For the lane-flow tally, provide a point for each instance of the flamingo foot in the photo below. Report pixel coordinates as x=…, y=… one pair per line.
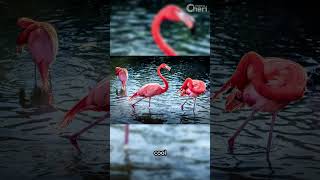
x=133, y=106
x=182, y=107
x=74, y=142
x=231, y=144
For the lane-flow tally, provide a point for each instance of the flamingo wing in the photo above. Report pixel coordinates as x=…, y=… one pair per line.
x=40, y=46
x=149, y=90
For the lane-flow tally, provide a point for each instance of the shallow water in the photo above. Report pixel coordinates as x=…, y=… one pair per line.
x=295, y=152
x=130, y=31
x=31, y=144
x=164, y=108
x=187, y=152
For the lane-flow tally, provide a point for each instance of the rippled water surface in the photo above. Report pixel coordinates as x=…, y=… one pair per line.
x=271, y=31
x=188, y=150
x=165, y=108
x=31, y=144
x=130, y=31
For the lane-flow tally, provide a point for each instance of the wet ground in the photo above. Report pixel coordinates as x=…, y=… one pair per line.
x=31, y=144
x=187, y=152
x=271, y=31
x=165, y=108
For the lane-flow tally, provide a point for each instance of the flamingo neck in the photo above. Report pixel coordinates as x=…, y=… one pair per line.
x=24, y=35
x=251, y=70
x=166, y=85
x=155, y=30
x=191, y=87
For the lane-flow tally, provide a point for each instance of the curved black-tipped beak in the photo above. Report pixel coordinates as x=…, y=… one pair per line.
x=193, y=29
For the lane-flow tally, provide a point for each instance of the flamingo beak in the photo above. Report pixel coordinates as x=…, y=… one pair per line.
x=169, y=69
x=188, y=20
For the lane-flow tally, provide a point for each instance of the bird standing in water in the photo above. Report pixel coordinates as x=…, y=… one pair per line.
x=97, y=100
x=152, y=89
x=42, y=41
x=265, y=85
x=192, y=88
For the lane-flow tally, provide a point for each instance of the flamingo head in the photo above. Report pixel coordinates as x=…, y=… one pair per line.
x=234, y=101
x=176, y=14
x=165, y=66
x=24, y=23
x=183, y=89
x=118, y=69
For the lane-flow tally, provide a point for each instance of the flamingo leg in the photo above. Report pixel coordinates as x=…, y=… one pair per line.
x=74, y=137
x=234, y=136
x=270, y=132
x=136, y=102
x=194, y=104
x=149, y=101
x=183, y=104
x=126, y=137
x=35, y=75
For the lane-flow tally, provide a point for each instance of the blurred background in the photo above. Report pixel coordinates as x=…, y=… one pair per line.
x=130, y=29
x=285, y=29
x=187, y=152
x=31, y=144
x=165, y=108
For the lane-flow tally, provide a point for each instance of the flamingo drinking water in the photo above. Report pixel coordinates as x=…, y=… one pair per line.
x=97, y=100
x=122, y=74
x=192, y=88
x=171, y=13
x=265, y=85
x=152, y=89
x=42, y=41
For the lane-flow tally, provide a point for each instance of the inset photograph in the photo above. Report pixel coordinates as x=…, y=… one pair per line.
x=156, y=90
x=265, y=84
x=160, y=151
x=149, y=28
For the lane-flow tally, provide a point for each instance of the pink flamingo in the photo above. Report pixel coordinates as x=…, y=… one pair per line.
x=42, y=41
x=122, y=74
x=152, y=89
x=172, y=13
x=265, y=85
x=192, y=88
x=97, y=100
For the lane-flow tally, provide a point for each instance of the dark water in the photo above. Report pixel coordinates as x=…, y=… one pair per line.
x=271, y=30
x=130, y=31
x=188, y=150
x=31, y=144
x=165, y=108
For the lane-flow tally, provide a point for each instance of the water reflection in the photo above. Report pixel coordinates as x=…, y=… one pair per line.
x=187, y=152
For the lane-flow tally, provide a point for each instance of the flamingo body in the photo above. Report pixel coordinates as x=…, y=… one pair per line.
x=192, y=88
x=42, y=41
x=264, y=85
x=96, y=100
x=122, y=74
